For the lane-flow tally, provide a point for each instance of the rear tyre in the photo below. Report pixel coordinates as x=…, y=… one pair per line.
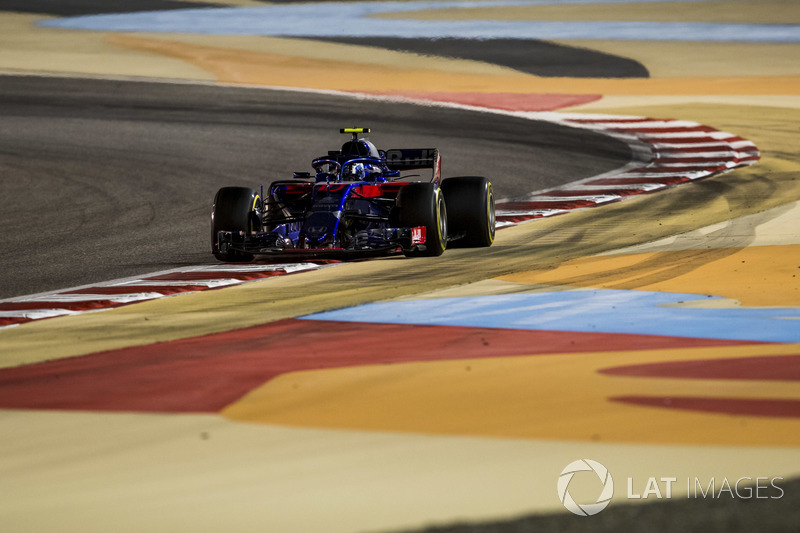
x=235, y=209
x=422, y=204
x=470, y=210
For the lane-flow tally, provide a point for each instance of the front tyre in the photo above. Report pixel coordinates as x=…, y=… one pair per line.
x=235, y=209
x=470, y=208
x=422, y=204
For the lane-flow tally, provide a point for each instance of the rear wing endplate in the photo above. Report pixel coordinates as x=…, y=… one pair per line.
x=414, y=158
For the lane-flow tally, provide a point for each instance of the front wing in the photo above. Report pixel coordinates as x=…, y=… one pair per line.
x=257, y=244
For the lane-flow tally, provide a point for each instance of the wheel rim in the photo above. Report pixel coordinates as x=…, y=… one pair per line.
x=441, y=219
x=490, y=214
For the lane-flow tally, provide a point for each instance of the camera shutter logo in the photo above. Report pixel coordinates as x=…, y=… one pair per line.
x=584, y=465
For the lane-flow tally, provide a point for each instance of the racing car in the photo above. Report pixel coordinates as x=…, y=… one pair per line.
x=359, y=201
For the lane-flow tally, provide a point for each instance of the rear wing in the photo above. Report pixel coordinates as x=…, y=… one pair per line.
x=415, y=158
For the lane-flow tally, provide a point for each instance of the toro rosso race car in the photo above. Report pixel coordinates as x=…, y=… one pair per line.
x=358, y=201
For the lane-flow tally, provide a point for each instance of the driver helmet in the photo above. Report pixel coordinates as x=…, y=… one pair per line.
x=362, y=171
x=356, y=172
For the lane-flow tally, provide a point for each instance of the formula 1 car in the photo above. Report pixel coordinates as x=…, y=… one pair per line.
x=360, y=201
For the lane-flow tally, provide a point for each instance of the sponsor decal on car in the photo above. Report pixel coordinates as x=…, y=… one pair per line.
x=418, y=235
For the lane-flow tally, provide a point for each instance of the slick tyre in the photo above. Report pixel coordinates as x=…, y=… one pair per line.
x=423, y=204
x=470, y=210
x=234, y=209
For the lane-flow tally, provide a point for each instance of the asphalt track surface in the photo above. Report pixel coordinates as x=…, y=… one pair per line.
x=69, y=8
x=108, y=179
x=687, y=516
x=539, y=58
